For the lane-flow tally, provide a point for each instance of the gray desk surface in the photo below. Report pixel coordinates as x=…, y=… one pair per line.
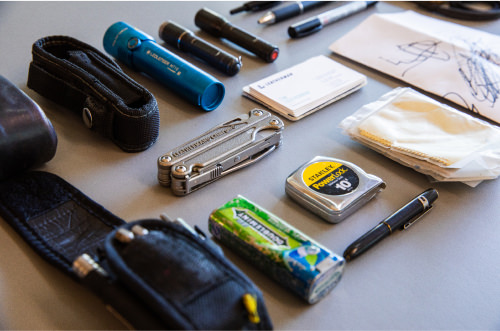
x=442, y=274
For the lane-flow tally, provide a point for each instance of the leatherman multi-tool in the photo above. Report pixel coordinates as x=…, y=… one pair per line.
x=220, y=151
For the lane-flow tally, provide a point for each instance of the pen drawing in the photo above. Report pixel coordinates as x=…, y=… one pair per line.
x=476, y=65
x=420, y=52
x=477, y=68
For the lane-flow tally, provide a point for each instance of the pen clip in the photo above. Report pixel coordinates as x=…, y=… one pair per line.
x=304, y=28
x=416, y=218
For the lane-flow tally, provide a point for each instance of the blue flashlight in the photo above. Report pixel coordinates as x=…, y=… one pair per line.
x=141, y=52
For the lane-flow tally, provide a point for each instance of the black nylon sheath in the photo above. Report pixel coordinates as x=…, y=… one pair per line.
x=84, y=80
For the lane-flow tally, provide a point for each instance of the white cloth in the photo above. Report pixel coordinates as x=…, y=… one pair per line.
x=428, y=136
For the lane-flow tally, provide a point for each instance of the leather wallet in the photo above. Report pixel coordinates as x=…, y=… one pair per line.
x=84, y=80
x=156, y=274
x=27, y=138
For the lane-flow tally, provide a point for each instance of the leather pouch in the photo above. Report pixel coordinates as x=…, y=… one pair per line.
x=155, y=274
x=84, y=80
x=27, y=138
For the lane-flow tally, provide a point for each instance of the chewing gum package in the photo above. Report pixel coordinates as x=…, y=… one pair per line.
x=277, y=248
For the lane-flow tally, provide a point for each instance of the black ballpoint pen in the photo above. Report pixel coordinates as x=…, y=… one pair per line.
x=316, y=23
x=294, y=9
x=402, y=219
x=254, y=6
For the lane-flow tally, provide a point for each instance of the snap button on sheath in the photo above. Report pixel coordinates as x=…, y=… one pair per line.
x=87, y=117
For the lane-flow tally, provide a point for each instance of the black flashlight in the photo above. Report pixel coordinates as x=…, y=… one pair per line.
x=185, y=40
x=218, y=26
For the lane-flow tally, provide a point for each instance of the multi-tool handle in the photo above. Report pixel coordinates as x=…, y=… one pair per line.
x=219, y=151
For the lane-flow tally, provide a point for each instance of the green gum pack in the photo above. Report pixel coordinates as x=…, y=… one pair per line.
x=281, y=251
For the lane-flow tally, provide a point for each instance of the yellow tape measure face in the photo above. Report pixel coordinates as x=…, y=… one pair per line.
x=331, y=178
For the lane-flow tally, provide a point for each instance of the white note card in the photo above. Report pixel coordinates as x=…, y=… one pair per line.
x=306, y=87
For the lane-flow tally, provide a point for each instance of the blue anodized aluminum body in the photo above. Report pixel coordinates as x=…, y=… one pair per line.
x=141, y=52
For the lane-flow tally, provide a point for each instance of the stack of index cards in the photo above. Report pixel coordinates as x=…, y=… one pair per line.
x=306, y=87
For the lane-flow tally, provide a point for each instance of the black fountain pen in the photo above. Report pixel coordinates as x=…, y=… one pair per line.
x=402, y=220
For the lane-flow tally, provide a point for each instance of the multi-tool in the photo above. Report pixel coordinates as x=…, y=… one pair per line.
x=220, y=151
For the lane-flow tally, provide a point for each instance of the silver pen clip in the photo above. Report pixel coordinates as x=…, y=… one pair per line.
x=220, y=151
x=416, y=218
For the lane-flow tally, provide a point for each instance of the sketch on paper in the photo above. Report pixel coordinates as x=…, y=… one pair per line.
x=419, y=52
x=472, y=63
x=477, y=68
x=449, y=60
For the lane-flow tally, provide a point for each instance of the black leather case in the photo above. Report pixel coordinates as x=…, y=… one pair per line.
x=27, y=138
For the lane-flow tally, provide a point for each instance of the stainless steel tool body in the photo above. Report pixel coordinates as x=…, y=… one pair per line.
x=221, y=150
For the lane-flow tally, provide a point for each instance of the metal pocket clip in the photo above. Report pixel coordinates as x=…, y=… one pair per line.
x=221, y=150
